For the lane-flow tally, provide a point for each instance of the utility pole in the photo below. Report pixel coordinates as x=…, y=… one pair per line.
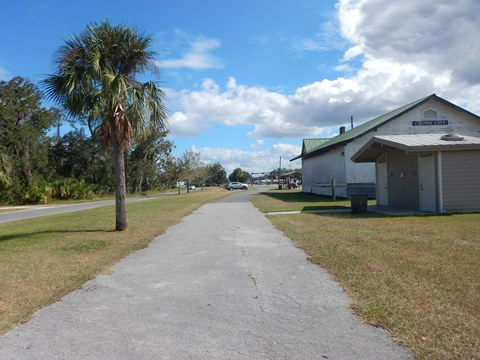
x=280, y=168
x=279, y=173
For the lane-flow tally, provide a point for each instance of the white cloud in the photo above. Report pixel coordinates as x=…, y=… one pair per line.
x=326, y=39
x=343, y=68
x=432, y=35
x=237, y=105
x=425, y=47
x=258, y=143
x=180, y=124
x=310, y=45
x=407, y=49
x=3, y=73
x=353, y=52
x=310, y=111
x=251, y=161
x=198, y=56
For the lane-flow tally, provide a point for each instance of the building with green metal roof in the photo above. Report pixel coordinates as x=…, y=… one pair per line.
x=329, y=160
x=309, y=145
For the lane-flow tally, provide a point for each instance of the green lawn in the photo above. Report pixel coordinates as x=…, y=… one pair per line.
x=415, y=276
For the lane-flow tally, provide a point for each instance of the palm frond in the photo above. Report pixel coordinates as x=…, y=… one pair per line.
x=95, y=79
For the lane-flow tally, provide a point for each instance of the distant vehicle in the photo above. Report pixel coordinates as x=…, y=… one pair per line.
x=236, y=185
x=192, y=187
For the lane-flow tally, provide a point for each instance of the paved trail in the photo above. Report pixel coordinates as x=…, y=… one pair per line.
x=223, y=284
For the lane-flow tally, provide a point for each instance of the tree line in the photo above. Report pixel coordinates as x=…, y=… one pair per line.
x=37, y=162
x=96, y=86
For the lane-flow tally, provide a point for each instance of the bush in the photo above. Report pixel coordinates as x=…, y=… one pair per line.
x=61, y=189
x=72, y=189
x=102, y=189
x=37, y=194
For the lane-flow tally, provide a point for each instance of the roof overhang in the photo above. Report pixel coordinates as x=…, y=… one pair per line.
x=292, y=173
x=418, y=143
x=309, y=146
x=297, y=157
x=329, y=146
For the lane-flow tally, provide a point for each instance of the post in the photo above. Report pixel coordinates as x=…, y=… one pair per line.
x=334, y=196
x=439, y=182
x=279, y=172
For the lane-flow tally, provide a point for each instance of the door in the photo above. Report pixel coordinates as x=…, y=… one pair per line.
x=426, y=178
x=382, y=182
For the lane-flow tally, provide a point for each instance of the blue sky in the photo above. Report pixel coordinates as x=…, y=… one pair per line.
x=247, y=80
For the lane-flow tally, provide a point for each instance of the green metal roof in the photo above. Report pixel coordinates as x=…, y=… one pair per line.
x=310, y=145
x=313, y=147
x=360, y=130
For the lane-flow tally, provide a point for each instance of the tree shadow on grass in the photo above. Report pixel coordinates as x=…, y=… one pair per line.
x=369, y=215
x=326, y=203
x=295, y=196
x=325, y=208
x=16, y=236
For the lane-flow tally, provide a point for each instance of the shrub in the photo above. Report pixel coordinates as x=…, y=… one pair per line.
x=37, y=194
x=72, y=189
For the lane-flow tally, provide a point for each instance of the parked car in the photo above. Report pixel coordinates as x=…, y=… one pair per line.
x=236, y=185
x=192, y=187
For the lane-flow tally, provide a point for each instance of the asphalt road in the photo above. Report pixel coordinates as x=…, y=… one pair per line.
x=222, y=284
x=46, y=210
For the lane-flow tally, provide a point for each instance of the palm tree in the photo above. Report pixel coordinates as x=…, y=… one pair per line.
x=95, y=81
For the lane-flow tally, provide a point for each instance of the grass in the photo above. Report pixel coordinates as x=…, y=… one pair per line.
x=415, y=276
x=44, y=259
x=296, y=200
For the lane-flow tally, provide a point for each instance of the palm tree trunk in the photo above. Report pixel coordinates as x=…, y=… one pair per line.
x=120, y=187
x=28, y=169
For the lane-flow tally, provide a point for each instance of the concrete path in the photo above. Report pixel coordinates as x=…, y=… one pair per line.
x=223, y=284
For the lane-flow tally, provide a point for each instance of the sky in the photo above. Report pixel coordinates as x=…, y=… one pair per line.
x=246, y=81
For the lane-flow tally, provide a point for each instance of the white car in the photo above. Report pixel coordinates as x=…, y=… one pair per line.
x=236, y=185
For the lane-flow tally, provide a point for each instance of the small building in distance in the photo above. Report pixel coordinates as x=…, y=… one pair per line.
x=324, y=160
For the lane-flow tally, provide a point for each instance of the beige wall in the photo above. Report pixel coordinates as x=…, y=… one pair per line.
x=461, y=181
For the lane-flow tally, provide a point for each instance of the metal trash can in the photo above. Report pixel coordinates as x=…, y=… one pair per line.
x=359, y=204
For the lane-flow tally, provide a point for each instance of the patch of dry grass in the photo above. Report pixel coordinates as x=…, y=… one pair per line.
x=44, y=259
x=5, y=210
x=417, y=277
